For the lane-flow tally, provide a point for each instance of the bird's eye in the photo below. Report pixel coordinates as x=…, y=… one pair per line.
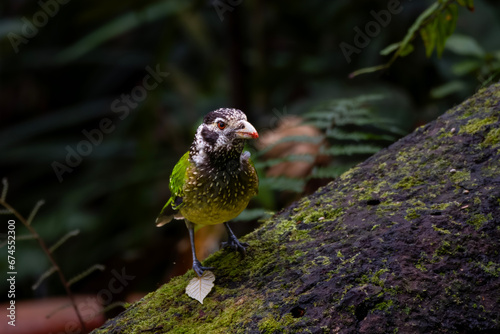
x=221, y=125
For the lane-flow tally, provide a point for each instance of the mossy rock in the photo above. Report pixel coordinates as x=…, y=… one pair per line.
x=408, y=242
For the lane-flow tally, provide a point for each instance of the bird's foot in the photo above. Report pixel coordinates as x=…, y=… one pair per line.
x=236, y=245
x=198, y=268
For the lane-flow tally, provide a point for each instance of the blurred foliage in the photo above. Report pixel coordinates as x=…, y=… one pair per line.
x=351, y=129
x=77, y=67
x=435, y=25
x=473, y=62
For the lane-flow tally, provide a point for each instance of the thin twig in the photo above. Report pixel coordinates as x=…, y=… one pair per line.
x=45, y=250
x=86, y=273
x=63, y=240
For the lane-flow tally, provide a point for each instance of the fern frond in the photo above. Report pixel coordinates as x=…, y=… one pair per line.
x=350, y=150
x=339, y=134
x=291, y=139
x=283, y=183
x=329, y=172
x=289, y=158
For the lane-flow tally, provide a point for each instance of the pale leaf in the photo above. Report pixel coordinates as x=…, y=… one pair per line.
x=199, y=287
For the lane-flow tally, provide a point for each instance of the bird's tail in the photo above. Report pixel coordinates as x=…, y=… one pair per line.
x=168, y=213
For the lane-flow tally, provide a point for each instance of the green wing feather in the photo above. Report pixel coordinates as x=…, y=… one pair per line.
x=176, y=185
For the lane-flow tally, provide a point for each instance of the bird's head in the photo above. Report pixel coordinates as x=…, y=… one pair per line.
x=222, y=135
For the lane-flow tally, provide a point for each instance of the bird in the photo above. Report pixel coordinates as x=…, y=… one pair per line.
x=214, y=180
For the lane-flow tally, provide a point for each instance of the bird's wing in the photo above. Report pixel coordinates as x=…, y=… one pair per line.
x=177, y=181
x=246, y=157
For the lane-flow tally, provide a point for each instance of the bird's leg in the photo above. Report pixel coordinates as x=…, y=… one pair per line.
x=197, y=267
x=233, y=242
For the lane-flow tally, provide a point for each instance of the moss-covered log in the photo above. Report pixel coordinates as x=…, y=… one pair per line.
x=408, y=242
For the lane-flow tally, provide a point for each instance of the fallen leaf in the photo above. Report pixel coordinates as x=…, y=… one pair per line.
x=199, y=287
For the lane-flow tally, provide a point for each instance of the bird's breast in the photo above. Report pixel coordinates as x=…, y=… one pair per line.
x=216, y=195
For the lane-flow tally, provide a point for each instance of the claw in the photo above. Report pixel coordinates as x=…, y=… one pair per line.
x=233, y=243
x=236, y=245
x=199, y=269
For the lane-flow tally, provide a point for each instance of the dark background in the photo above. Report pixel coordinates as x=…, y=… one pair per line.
x=268, y=59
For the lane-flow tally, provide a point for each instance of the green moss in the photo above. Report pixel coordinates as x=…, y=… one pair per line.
x=272, y=324
x=216, y=316
x=492, y=138
x=443, y=133
x=440, y=230
x=460, y=176
x=444, y=249
x=475, y=125
x=421, y=267
x=443, y=206
x=322, y=261
x=411, y=214
x=477, y=220
x=384, y=306
x=244, y=287
x=408, y=182
x=491, y=268
x=348, y=175
x=376, y=280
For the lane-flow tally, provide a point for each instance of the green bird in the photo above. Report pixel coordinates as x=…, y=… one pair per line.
x=214, y=181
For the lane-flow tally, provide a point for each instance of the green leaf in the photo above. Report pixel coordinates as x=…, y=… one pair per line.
x=403, y=44
x=467, y=3
x=407, y=50
x=470, y=5
x=465, y=46
x=446, y=22
x=447, y=89
x=418, y=23
x=428, y=34
x=466, y=66
x=441, y=36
